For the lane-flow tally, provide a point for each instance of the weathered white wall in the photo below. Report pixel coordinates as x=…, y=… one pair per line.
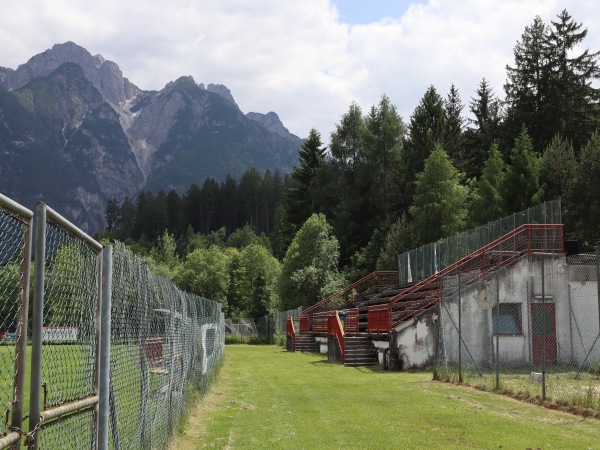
x=322, y=341
x=572, y=289
x=413, y=343
x=584, y=320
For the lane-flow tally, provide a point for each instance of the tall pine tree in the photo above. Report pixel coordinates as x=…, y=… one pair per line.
x=299, y=200
x=522, y=187
x=487, y=203
x=439, y=207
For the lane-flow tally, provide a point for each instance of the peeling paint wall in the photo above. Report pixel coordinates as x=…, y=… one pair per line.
x=413, y=346
x=572, y=291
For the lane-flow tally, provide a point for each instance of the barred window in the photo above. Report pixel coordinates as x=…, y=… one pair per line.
x=508, y=319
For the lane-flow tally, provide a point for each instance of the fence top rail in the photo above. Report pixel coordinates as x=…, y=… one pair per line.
x=501, y=240
x=482, y=251
x=15, y=208
x=373, y=275
x=68, y=226
x=424, y=261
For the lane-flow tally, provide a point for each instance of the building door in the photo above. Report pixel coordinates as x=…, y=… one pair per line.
x=543, y=321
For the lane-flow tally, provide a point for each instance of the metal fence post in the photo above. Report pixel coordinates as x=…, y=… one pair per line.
x=104, y=348
x=37, y=323
x=17, y=412
x=498, y=330
x=436, y=375
x=598, y=284
x=544, y=316
x=460, y=376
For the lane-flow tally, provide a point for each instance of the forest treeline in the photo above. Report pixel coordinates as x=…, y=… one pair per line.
x=382, y=185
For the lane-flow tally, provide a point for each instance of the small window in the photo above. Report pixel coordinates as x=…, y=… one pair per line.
x=508, y=319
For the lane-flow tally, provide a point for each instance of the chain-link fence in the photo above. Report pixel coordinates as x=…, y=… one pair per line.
x=421, y=262
x=274, y=325
x=164, y=344
x=64, y=332
x=115, y=351
x=15, y=253
x=531, y=328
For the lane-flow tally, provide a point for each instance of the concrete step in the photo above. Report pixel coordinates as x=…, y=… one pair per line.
x=359, y=351
x=305, y=343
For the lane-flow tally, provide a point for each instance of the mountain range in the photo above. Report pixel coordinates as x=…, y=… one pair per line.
x=75, y=133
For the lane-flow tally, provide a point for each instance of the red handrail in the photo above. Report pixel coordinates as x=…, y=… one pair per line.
x=290, y=331
x=336, y=329
x=526, y=238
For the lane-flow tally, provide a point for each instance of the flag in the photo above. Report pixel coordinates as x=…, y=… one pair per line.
x=409, y=274
x=435, y=259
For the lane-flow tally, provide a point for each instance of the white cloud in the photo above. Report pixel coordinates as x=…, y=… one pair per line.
x=292, y=57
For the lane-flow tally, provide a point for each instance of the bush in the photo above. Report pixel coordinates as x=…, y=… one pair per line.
x=248, y=339
x=280, y=339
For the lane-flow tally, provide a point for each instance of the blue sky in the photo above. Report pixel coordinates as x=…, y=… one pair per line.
x=356, y=12
x=306, y=60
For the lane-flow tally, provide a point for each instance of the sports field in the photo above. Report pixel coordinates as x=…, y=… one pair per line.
x=266, y=397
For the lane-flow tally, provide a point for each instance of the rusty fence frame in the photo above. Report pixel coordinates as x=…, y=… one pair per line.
x=40, y=419
x=24, y=215
x=94, y=406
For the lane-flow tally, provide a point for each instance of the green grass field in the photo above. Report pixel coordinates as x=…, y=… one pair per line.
x=268, y=398
x=7, y=357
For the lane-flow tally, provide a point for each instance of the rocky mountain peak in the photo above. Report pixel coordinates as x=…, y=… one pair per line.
x=74, y=116
x=222, y=90
x=105, y=75
x=272, y=123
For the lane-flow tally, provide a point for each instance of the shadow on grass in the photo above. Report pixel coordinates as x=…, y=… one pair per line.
x=322, y=362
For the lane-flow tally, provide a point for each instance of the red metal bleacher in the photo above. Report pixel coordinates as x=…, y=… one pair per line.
x=314, y=319
x=525, y=239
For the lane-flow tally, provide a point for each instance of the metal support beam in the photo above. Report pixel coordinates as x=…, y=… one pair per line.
x=104, y=350
x=37, y=323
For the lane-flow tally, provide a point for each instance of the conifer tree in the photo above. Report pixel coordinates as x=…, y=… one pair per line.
x=384, y=134
x=573, y=101
x=522, y=187
x=439, y=206
x=550, y=88
x=299, y=201
x=454, y=135
x=484, y=130
x=558, y=169
x=487, y=203
x=585, y=199
x=528, y=83
x=427, y=128
x=397, y=240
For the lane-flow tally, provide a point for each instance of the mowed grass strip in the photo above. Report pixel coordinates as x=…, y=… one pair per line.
x=266, y=397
